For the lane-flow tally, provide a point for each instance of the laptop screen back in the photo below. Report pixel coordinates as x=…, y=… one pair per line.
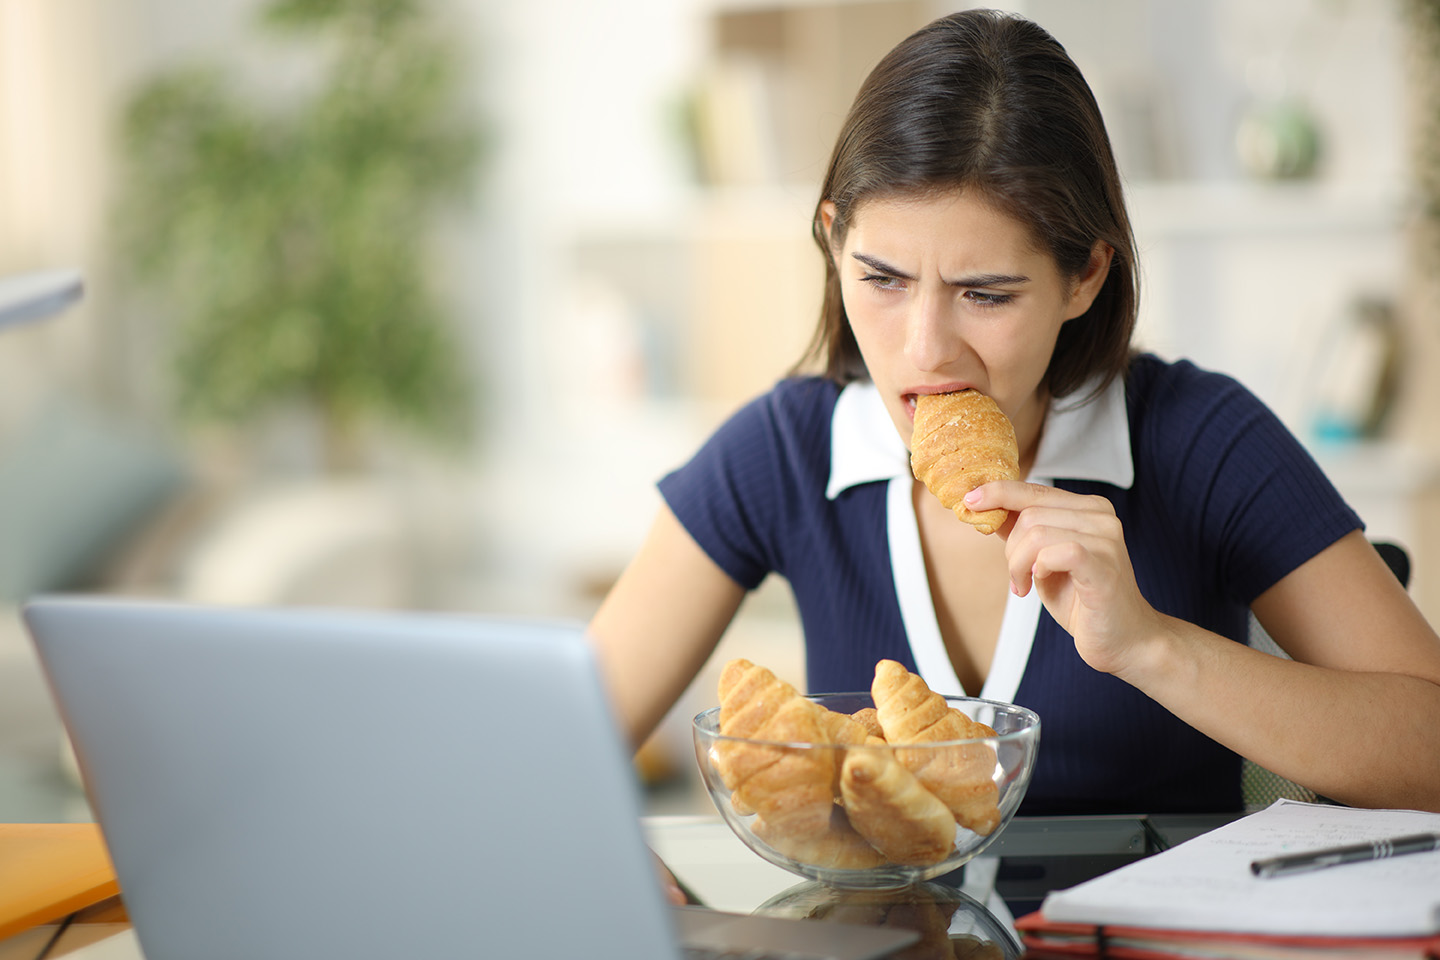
x=303, y=783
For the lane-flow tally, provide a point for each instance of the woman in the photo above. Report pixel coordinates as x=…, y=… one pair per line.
x=975, y=235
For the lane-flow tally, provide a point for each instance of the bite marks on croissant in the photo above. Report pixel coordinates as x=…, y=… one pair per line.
x=960, y=441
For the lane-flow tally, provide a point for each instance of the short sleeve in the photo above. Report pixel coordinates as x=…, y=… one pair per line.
x=1239, y=484
x=735, y=496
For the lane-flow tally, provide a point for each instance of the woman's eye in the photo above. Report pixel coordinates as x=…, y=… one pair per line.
x=882, y=282
x=982, y=299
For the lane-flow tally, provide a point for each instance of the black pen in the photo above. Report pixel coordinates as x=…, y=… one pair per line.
x=1355, y=853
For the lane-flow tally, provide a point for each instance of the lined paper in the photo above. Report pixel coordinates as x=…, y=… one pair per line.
x=1206, y=883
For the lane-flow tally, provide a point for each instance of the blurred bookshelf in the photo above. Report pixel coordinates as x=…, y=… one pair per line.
x=1240, y=272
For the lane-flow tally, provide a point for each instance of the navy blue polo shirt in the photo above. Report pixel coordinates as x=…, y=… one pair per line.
x=1218, y=500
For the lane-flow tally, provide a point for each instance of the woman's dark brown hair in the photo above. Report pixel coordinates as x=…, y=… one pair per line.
x=989, y=102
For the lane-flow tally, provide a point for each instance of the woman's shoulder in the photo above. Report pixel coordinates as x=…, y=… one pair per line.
x=802, y=394
x=1149, y=375
x=795, y=403
x=1186, y=420
x=1171, y=390
x=787, y=427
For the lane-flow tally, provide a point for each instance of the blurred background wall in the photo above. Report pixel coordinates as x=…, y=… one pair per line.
x=629, y=259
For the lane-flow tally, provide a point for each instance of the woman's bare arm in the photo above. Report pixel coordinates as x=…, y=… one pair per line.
x=659, y=623
x=1345, y=611
x=1355, y=716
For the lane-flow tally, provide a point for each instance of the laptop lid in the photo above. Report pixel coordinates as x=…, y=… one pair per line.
x=319, y=783
x=31, y=296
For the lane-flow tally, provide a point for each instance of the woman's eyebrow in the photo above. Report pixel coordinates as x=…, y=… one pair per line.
x=880, y=266
x=989, y=280
x=978, y=280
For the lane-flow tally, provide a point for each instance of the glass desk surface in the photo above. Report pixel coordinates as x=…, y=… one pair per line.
x=708, y=859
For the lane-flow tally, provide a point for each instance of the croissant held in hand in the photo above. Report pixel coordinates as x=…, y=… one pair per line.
x=959, y=442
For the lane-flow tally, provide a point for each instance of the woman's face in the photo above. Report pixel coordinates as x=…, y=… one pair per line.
x=943, y=292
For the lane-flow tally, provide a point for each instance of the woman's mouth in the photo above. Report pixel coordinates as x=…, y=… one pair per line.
x=909, y=398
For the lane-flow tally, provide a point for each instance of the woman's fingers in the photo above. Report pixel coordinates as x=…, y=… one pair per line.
x=1012, y=495
x=674, y=892
x=1070, y=548
x=1046, y=517
x=1039, y=553
x=1018, y=496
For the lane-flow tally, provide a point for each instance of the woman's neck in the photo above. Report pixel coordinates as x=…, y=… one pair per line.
x=1029, y=428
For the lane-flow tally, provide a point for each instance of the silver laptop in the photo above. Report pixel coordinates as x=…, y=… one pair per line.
x=31, y=296
x=319, y=783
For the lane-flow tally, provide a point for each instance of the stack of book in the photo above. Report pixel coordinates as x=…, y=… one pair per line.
x=1206, y=899
x=49, y=871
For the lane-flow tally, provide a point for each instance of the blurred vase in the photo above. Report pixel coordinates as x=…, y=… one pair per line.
x=1278, y=140
x=1357, y=380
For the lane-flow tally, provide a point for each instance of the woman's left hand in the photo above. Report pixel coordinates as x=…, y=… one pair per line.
x=1071, y=548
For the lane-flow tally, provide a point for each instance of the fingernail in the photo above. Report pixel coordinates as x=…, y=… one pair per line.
x=973, y=496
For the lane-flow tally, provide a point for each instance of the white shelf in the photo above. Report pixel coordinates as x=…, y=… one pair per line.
x=1379, y=468
x=1238, y=209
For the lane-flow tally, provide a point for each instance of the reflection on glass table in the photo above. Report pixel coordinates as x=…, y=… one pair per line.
x=950, y=922
x=722, y=872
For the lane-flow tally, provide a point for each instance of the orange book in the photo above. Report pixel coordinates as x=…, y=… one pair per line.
x=50, y=870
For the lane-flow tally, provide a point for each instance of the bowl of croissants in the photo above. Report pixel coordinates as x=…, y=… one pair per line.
x=863, y=790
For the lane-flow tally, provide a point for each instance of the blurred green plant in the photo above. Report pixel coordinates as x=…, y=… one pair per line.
x=289, y=235
x=1421, y=18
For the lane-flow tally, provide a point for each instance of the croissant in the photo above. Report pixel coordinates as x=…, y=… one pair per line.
x=749, y=696
x=959, y=442
x=888, y=806
x=837, y=847
x=870, y=720
x=902, y=908
x=791, y=790
x=842, y=729
x=960, y=775
x=929, y=918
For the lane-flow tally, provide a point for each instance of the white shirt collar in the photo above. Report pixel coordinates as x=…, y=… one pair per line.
x=1082, y=440
x=864, y=446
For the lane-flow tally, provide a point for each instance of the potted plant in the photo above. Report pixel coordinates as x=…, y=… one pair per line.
x=287, y=229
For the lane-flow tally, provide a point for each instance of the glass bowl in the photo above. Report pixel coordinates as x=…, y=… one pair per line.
x=851, y=816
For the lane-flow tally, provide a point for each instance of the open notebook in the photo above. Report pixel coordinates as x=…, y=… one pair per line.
x=319, y=783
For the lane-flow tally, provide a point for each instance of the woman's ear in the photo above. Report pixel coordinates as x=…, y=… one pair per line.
x=827, y=221
x=1086, y=287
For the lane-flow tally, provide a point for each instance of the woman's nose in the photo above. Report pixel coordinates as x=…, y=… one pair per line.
x=931, y=338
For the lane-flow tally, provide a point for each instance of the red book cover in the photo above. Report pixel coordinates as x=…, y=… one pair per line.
x=1045, y=939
